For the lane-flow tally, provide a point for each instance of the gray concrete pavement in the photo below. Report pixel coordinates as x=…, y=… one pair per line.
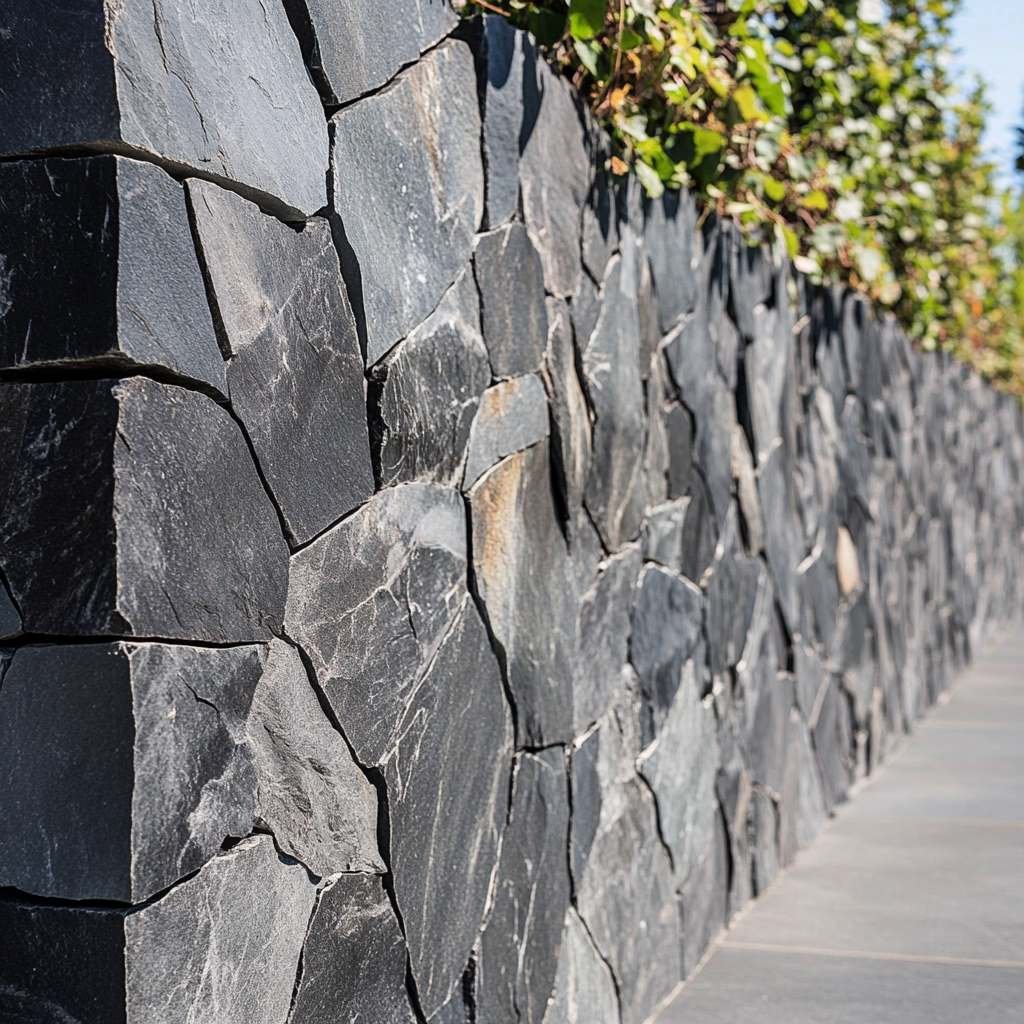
x=909, y=908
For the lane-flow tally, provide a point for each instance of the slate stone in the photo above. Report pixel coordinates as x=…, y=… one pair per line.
x=586, y=801
x=746, y=492
x=554, y=176
x=802, y=807
x=524, y=580
x=10, y=617
x=769, y=734
x=208, y=951
x=670, y=234
x=691, y=359
x=834, y=746
x=768, y=367
x=521, y=943
x=370, y=603
x=700, y=532
x=124, y=766
x=735, y=791
x=132, y=507
x=353, y=48
x=713, y=450
x=764, y=819
x=600, y=215
x=584, y=989
x=354, y=958
x=570, y=415
x=662, y=537
x=447, y=783
x=680, y=430
x=783, y=540
x=512, y=416
x=667, y=625
x=320, y=807
x=424, y=394
x=510, y=276
x=113, y=236
x=408, y=223
x=222, y=93
x=705, y=899
x=681, y=767
x=615, y=492
x=585, y=306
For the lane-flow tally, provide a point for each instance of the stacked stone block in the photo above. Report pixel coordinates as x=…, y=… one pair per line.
x=437, y=584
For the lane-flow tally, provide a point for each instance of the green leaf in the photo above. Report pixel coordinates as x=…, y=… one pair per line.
x=774, y=189
x=815, y=200
x=747, y=103
x=588, y=53
x=546, y=25
x=650, y=180
x=798, y=7
x=586, y=18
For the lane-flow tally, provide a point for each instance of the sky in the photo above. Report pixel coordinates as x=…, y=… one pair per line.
x=990, y=37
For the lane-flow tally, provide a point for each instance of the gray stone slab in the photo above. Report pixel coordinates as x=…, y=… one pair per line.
x=294, y=369
x=354, y=48
x=743, y=985
x=98, y=267
x=584, y=988
x=408, y=187
x=222, y=92
x=174, y=536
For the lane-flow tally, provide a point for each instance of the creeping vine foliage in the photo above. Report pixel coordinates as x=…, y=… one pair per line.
x=834, y=128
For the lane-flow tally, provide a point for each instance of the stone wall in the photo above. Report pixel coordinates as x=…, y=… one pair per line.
x=437, y=585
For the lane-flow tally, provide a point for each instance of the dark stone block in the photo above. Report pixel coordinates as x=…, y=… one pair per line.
x=133, y=508
x=124, y=767
x=510, y=276
x=113, y=235
x=680, y=430
x=670, y=234
x=153, y=79
x=705, y=899
x=802, y=806
x=700, y=532
x=584, y=987
x=408, y=223
x=294, y=368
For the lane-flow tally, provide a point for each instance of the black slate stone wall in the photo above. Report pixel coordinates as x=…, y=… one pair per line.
x=436, y=584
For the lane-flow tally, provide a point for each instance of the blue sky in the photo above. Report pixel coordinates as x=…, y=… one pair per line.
x=990, y=36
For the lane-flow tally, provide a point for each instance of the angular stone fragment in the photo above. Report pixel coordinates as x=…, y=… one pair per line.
x=424, y=394
x=408, y=186
x=679, y=429
x=294, y=369
x=713, y=450
x=311, y=795
x=525, y=582
x=834, y=745
x=584, y=988
x=131, y=507
x=746, y=492
x=802, y=808
x=158, y=731
x=10, y=617
x=700, y=532
x=510, y=277
x=666, y=628
x=513, y=415
x=371, y=601
x=520, y=946
x=113, y=236
x=353, y=48
x=671, y=235
x=447, y=783
x=222, y=92
x=764, y=827
x=615, y=493
x=353, y=959
x=783, y=539
x=705, y=898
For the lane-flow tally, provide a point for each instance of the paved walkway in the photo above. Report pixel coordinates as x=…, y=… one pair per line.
x=909, y=908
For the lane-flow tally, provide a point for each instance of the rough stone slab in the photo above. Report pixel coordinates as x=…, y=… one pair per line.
x=802, y=808
x=746, y=492
x=600, y=215
x=584, y=988
x=783, y=539
x=700, y=532
x=670, y=235
x=424, y=394
x=408, y=187
x=371, y=601
x=512, y=416
x=98, y=267
x=171, y=533
x=158, y=731
x=680, y=430
x=704, y=900
x=294, y=369
x=222, y=93
x=834, y=745
x=521, y=944
x=525, y=582
x=615, y=491
x=209, y=953
x=353, y=48
x=447, y=783
x=713, y=450
x=10, y=617
x=310, y=793
x=510, y=276
x=554, y=175
x=354, y=958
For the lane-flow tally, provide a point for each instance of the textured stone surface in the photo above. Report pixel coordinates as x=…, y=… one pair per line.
x=354, y=48
x=446, y=823
x=370, y=603
x=354, y=957
x=584, y=988
x=409, y=222
x=158, y=730
x=133, y=507
x=424, y=394
x=310, y=793
x=113, y=234
x=524, y=578
x=512, y=415
x=222, y=92
x=510, y=277
x=294, y=369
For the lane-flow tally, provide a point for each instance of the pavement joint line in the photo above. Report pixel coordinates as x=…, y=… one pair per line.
x=886, y=819
x=862, y=954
